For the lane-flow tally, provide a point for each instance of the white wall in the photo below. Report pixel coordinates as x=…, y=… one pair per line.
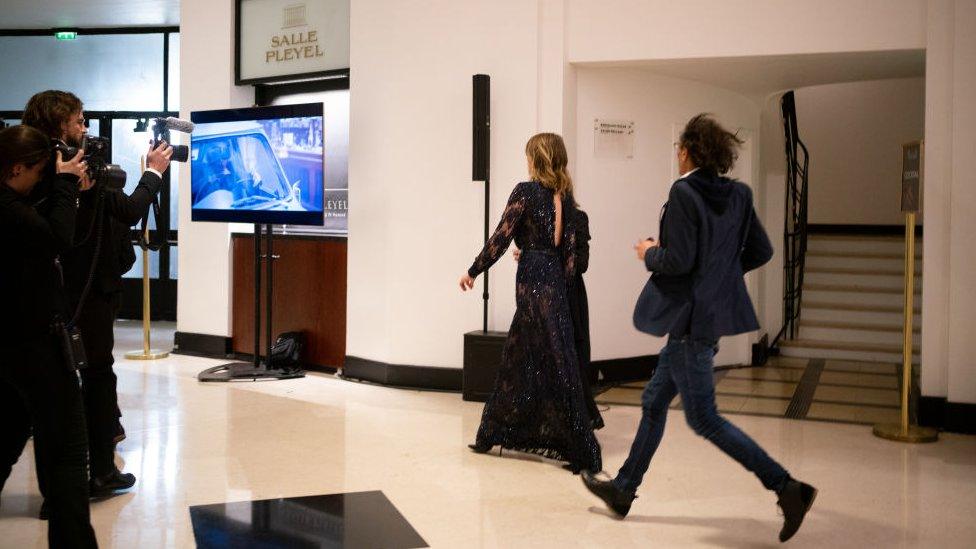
x=415, y=217
x=854, y=132
x=624, y=197
x=949, y=263
x=206, y=82
x=625, y=30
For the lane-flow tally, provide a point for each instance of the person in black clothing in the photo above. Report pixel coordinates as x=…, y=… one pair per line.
x=32, y=299
x=579, y=308
x=709, y=237
x=107, y=213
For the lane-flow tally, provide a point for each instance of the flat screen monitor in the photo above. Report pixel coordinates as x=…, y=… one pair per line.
x=258, y=165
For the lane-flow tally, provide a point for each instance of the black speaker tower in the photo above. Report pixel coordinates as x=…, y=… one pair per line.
x=480, y=155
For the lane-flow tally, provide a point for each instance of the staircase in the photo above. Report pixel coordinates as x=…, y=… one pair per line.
x=853, y=299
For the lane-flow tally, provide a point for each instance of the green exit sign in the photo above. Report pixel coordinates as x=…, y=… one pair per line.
x=66, y=35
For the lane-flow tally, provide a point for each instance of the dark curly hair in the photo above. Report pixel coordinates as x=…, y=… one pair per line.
x=710, y=146
x=48, y=110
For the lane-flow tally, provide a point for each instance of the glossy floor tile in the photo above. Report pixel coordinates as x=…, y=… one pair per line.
x=193, y=444
x=361, y=519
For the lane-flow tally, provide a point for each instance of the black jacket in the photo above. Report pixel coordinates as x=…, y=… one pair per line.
x=710, y=237
x=121, y=212
x=31, y=293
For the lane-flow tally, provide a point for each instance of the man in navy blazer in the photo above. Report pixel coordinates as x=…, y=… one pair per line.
x=709, y=237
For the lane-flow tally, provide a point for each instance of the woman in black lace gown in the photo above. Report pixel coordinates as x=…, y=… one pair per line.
x=538, y=404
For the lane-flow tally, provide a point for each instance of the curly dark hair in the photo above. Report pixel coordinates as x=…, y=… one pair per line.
x=48, y=110
x=710, y=146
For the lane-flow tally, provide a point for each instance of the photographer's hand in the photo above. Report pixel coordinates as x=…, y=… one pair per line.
x=158, y=156
x=76, y=166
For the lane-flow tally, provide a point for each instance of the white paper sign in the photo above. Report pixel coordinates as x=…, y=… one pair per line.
x=292, y=38
x=613, y=139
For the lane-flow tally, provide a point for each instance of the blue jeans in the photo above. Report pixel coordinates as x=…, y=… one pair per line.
x=685, y=367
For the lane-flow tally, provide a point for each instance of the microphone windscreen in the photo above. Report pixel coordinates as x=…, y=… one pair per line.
x=179, y=125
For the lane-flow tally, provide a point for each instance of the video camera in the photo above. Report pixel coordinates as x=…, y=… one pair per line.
x=161, y=128
x=97, y=152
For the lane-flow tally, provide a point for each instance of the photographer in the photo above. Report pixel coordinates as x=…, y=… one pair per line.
x=32, y=300
x=101, y=254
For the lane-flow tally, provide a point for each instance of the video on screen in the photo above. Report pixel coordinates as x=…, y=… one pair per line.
x=263, y=170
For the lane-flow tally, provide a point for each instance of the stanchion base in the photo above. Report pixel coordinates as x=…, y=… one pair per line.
x=245, y=371
x=153, y=354
x=914, y=433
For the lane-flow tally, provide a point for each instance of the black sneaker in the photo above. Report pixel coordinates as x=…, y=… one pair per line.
x=110, y=483
x=617, y=500
x=795, y=499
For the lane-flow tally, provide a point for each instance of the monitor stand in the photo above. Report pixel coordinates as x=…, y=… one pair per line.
x=256, y=369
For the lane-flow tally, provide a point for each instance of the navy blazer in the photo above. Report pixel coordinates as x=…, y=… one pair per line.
x=710, y=237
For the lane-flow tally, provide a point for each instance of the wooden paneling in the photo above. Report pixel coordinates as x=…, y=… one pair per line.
x=309, y=295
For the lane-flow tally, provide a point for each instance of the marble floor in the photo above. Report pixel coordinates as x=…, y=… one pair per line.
x=192, y=444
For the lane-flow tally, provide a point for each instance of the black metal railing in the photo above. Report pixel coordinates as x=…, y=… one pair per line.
x=795, y=225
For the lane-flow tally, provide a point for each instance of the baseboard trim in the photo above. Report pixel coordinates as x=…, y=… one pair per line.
x=867, y=230
x=624, y=370
x=955, y=417
x=203, y=345
x=400, y=375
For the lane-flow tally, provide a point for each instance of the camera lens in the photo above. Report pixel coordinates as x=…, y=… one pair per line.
x=181, y=153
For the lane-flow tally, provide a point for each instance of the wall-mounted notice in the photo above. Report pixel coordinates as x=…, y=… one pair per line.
x=613, y=139
x=911, y=177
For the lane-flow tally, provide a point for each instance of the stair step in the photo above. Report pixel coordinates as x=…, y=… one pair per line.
x=859, y=244
x=857, y=237
x=831, y=311
x=818, y=276
x=861, y=255
x=844, y=346
x=854, y=288
x=856, y=307
x=891, y=263
x=900, y=273
x=852, y=335
x=846, y=355
x=860, y=326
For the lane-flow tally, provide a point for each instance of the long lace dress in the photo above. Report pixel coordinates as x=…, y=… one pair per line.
x=538, y=405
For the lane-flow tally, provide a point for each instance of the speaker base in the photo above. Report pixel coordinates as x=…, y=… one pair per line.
x=482, y=358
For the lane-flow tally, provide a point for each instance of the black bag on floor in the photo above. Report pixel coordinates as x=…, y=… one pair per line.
x=286, y=353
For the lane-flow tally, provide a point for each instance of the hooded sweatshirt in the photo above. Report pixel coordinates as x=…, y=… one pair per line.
x=710, y=237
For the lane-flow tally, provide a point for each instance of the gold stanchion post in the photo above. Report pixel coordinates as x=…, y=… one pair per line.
x=912, y=156
x=146, y=353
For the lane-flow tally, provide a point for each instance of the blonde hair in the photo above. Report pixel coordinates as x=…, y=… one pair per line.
x=547, y=163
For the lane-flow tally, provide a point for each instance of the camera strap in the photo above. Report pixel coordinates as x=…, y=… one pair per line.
x=146, y=243
x=99, y=228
